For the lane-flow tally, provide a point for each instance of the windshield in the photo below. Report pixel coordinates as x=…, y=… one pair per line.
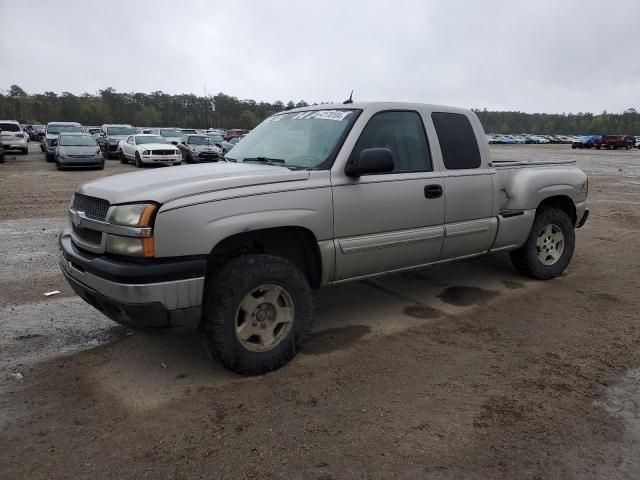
x=64, y=128
x=296, y=140
x=150, y=139
x=165, y=132
x=216, y=138
x=199, y=141
x=120, y=131
x=77, y=141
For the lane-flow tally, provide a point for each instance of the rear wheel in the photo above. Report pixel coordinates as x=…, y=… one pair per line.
x=549, y=247
x=257, y=311
x=139, y=163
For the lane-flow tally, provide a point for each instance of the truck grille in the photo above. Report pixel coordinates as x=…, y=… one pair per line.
x=163, y=152
x=92, y=207
x=89, y=236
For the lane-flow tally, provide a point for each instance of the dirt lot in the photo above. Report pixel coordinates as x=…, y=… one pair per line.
x=464, y=370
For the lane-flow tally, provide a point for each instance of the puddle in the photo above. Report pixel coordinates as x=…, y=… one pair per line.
x=466, y=296
x=511, y=285
x=327, y=341
x=423, y=312
x=622, y=400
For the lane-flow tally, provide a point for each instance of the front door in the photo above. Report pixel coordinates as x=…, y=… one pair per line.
x=389, y=221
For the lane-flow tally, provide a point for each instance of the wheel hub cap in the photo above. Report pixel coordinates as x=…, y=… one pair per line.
x=264, y=318
x=550, y=244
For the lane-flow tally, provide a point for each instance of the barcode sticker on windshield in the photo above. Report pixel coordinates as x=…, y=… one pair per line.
x=330, y=115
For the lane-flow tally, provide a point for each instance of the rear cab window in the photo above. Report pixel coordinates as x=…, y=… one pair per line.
x=457, y=139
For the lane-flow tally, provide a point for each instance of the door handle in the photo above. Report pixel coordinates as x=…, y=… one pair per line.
x=433, y=191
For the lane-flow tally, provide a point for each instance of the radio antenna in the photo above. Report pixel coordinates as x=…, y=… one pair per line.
x=349, y=100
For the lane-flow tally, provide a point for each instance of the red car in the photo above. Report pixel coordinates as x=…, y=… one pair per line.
x=615, y=141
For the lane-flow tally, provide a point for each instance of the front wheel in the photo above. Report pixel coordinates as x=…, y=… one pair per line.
x=123, y=159
x=257, y=311
x=139, y=163
x=549, y=247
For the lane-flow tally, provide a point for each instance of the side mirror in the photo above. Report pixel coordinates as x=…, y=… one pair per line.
x=371, y=160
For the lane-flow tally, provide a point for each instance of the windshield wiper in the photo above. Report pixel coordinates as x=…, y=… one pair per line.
x=268, y=161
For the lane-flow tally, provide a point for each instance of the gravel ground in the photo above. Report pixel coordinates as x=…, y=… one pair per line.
x=464, y=370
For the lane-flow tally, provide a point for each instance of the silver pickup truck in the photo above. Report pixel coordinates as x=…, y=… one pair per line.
x=311, y=197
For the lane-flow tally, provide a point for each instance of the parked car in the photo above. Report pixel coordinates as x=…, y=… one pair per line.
x=234, y=132
x=588, y=141
x=37, y=132
x=148, y=149
x=199, y=148
x=78, y=150
x=221, y=142
x=312, y=197
x=50, y=139
x=171, y=135
x=1, y=148
x=93, y=131
x=110, y=136
x=13, y=137
x=235, y=140
x=614, y=142
x=188, y=131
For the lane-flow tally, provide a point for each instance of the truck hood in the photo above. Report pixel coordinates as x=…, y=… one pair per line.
x=165, y=184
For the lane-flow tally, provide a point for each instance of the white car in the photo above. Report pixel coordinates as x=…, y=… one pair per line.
x=146, y=149
x=171, y=135
x=13, y=137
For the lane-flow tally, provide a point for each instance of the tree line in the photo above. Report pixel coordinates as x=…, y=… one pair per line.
x=221, y=110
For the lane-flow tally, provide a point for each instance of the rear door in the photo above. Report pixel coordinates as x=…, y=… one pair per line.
x=393, y=220
x=468, y=186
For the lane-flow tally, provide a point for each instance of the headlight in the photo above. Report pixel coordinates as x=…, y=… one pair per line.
x=61, y=152
x=146, y=152
x=136, y=215
x=131, y=246
x=177, y=152
x=194, y=150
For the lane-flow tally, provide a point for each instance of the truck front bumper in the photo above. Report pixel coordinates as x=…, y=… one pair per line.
x=159, y=294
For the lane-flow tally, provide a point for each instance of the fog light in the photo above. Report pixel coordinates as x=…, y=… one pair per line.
x=130, y=246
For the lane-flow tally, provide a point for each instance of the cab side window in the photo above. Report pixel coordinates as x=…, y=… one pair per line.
x=457, y=141
x=403, y=133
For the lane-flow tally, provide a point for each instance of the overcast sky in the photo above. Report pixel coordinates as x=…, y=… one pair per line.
x=535, y=56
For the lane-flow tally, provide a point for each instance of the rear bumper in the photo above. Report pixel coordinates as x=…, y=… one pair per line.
x=126, y=292
x=14, y=143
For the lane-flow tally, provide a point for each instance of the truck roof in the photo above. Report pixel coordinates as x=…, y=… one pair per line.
x=381, y=106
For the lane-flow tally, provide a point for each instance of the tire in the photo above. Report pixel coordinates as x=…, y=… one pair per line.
x=230, y=289
x=139, y=163
x=123, y=159
x=527, y=259
x=175, y=164
x=190, y=159
x=49, y=158
x=25, y=151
